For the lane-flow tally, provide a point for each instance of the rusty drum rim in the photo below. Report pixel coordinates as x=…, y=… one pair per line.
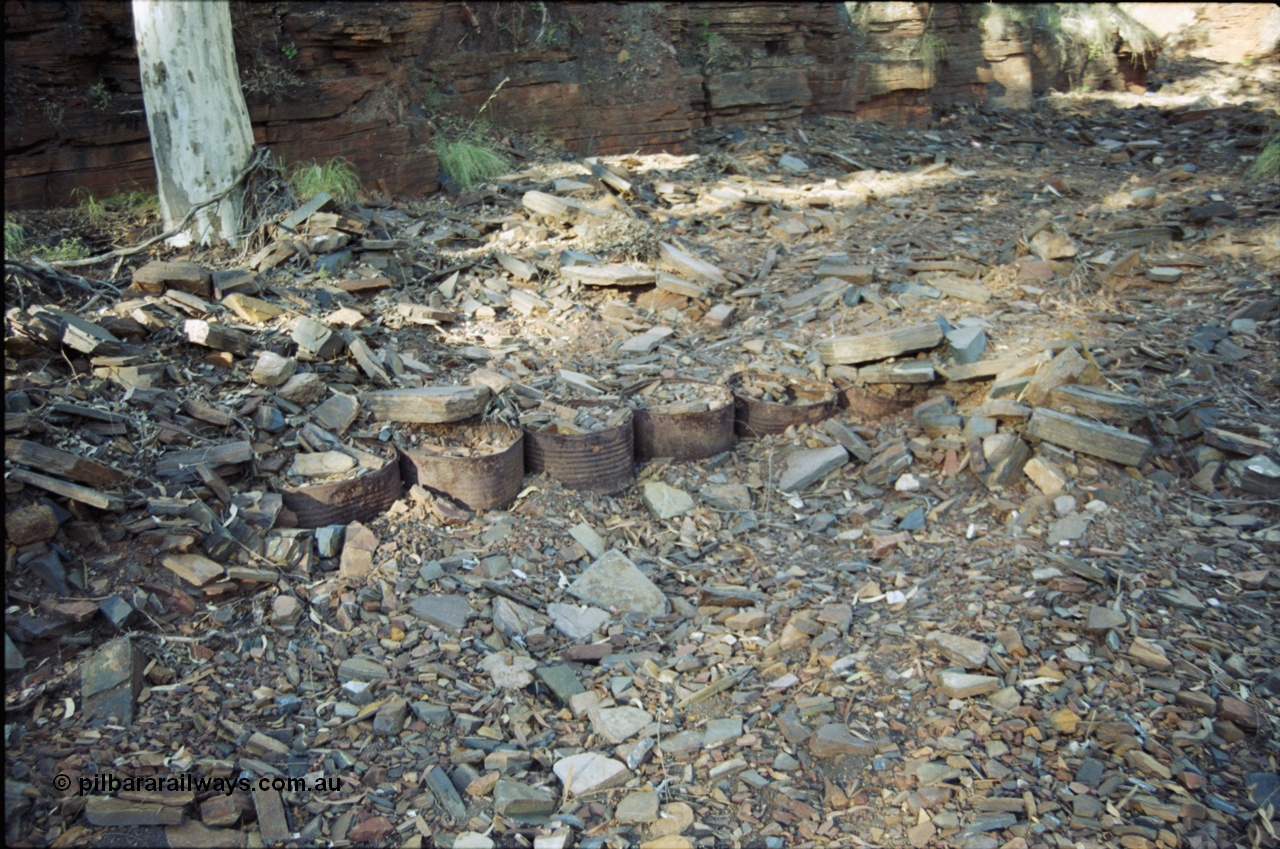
x=755, y=418
x=601, y=462
x=356, y=499
x=485, y=482
x=682, y=436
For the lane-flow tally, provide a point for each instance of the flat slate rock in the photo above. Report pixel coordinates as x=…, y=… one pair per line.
x=970, y=653
x=613, y=581
x=664, y=500
x=111, y=680
x=589, y=771
x=807, y=467
x=447, y=612
x=577, y=621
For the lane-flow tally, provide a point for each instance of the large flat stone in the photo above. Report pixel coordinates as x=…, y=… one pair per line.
x=961, y=685
x=834, y=740
x=589, y=771
x=613, y=581
x=577, y=621
x=111, y=680
x=970, y=653
x=664, y=500
x=522, y=803
x=446, y=612
x=807, y=467
x=619, y=724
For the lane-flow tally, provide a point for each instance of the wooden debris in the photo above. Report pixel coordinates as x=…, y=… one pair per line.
x=608, y=275
x=180, y=466
x=158, y=276
x=1092, y=402
x=556, y=207
x=218, y=337
x=63, y=463
x=1087, y=437
x=82, y=494
x=428, y=405
x=877, y=346
x=687, y=265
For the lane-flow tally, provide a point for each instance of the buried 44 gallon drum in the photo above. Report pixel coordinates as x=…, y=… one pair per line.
x=582, y=444
x=766, y=403
x=479, y=466
x=681, y=418
x=368, y=487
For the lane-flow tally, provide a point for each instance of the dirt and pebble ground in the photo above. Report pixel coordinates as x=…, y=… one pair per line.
x=903, y=652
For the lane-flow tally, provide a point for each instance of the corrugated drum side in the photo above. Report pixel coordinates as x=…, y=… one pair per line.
x=685, y=436
x=486, y=482
x=357, y=499
x=599, y=462
x=754, y=418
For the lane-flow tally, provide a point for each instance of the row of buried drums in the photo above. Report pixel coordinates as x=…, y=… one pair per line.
x=602, y=461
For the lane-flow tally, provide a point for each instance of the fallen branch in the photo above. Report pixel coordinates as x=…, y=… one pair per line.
x=38, y=268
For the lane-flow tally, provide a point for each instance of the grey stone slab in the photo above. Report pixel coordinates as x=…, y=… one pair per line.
x=665, y=501
x=389, y=720
x=446, y=795
x=13, y=658
x=720, y=731
x=589, y=771
x=588, y=538
x=970, y=653
x=111, y=680
x=640, y=806
x=577, y=621
x=966, y=345
x=808, y=466
x=522, y=803
x=446, y=612
x=1104, y=619
x=362, y=669
x=834, y=740
x=561, y=680
x=613, y=581
x=619, y=724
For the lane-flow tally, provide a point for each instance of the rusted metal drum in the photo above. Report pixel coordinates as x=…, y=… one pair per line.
x=489, y=480
x=600, y=461
x=811, y=401
x=355, y=499
x=664, y=430
x=867, y=406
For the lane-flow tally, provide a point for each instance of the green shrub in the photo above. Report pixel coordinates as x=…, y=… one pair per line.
x=67, y=249
x=468, y=160
x=1267, y=165
x=337, y=177
x=15, y=238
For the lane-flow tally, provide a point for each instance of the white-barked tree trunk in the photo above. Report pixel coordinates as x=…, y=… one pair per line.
x=201, y=138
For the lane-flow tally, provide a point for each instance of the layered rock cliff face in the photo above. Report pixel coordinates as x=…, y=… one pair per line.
x=370, y=81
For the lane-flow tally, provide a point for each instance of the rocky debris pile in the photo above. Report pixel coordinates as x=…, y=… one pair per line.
x=990, y=562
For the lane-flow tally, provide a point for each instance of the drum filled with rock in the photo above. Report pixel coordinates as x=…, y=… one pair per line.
x=341, y=485
x=586, y=445
x=681, y=418
x=766, y=403
x=480, y=466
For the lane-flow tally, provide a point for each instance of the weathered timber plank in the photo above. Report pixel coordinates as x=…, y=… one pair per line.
x=432, y=404
x=1098, y=403
x=180, y=466
x=609, y=275
x=1099, y=440
x=877, y=346
x=62, y=463
x=83, y=494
